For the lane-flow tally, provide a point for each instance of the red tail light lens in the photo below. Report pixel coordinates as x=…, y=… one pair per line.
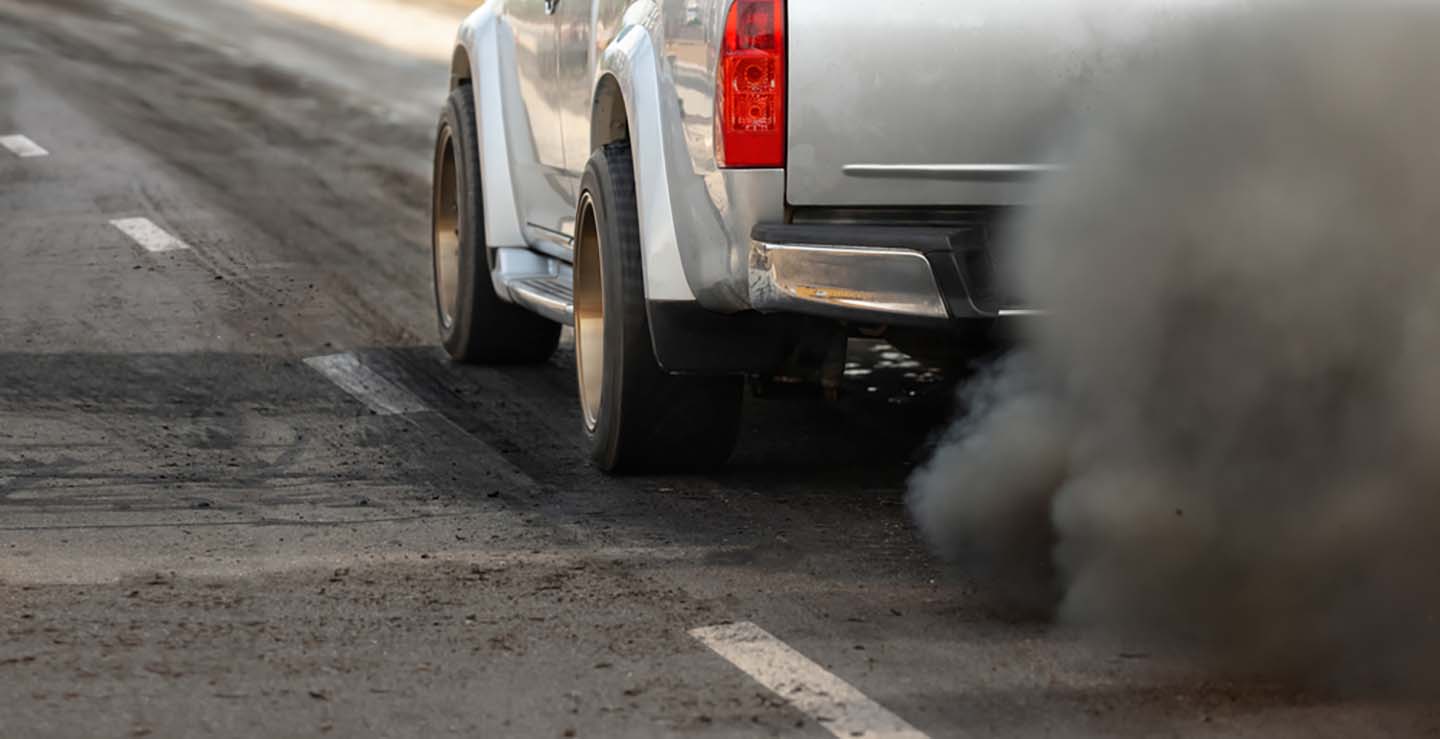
x=750, y=101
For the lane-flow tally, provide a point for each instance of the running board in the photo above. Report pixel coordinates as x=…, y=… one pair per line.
x=548, y=295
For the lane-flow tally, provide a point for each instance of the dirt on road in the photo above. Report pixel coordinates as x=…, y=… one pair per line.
x=201, y=534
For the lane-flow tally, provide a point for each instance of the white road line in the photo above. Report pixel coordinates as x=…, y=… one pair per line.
x=22, y=146
x=147, y=234
x=830, y=701
x=381, y=395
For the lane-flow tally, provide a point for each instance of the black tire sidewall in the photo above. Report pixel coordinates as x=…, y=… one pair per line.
x=458, y=128
x=648, y=419
x=605, y=437
x=486, y=329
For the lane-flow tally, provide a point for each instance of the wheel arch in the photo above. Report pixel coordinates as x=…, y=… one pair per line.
x=477, y=63
x=609, y=118
x=630, y=89
x=460, y=69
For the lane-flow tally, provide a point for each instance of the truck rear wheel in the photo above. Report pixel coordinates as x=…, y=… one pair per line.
x=475, y=324
x=638, y=416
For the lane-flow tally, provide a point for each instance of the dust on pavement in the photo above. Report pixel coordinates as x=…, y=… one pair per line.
x=201, y=534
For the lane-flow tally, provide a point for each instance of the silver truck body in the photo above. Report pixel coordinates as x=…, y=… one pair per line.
x=900, y=113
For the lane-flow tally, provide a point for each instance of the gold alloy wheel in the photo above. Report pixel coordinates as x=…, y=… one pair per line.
x=589, y=313
x=446, y=235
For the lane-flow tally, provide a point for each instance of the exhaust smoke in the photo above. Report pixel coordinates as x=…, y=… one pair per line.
x=1226, y=434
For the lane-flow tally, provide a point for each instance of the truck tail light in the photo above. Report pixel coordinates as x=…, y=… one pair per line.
x=750, y=99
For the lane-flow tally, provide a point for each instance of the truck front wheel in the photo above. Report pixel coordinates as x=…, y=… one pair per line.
x=638, y=417
x=476, y=326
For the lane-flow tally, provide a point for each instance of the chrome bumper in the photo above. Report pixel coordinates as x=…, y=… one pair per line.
x=920, y=275
x=844, y=282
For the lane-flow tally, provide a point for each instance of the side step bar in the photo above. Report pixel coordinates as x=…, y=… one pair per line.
x=549, y=295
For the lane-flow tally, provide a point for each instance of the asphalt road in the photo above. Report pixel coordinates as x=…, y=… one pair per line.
x=201, y=534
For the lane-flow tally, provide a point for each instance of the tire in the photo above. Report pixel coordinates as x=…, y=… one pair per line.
x=476, y=326
x=644, y=419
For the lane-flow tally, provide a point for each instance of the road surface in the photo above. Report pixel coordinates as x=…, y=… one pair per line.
x=243, y=494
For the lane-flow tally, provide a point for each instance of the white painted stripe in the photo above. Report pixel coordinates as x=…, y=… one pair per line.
x=147, y=234
x=832, y=702
x=381, y=395
x=22, y=146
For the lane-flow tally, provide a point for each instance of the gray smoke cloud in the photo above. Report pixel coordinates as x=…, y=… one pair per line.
x=1226, y=433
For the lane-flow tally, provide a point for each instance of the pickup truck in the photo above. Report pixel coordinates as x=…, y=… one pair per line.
x=710, y=190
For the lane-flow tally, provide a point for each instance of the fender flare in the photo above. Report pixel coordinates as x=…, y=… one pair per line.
x=632, y=59
x=480, y=38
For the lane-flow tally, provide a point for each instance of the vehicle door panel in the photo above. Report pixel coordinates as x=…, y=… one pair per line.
x=575, y=23
x=545, y=202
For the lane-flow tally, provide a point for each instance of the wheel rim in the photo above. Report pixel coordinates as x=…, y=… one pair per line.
x=446, y=235
x=589, y=313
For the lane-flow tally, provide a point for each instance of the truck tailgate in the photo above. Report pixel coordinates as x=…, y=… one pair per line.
x=944, y=102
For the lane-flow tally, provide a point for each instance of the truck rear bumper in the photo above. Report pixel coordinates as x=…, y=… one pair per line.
x=910, y=275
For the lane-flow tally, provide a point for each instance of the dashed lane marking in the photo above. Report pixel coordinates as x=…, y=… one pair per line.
x=830, y=701
x=379, y=394
x=22, y=146
x=147, y=234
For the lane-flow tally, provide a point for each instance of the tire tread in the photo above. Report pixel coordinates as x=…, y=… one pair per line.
x=486, y=329
x=665, y=421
